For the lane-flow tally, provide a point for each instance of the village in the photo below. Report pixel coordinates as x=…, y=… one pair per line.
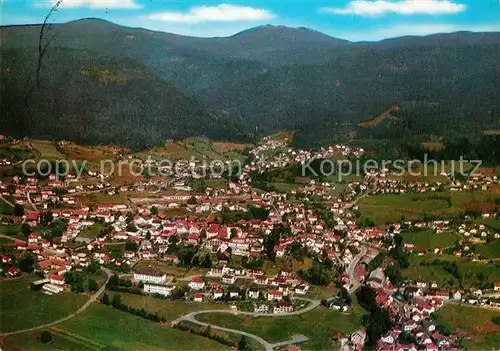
x=230, y=234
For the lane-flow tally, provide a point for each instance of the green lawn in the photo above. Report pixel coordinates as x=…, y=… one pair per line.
x=473, y=323
x=468, y=270
x=427, y=239
x=91, y=232
x=108, y=326
x=171, y=310
x=318, y=325
x=21, y=307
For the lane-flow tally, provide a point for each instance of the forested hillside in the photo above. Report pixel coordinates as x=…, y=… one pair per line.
x=103, y=83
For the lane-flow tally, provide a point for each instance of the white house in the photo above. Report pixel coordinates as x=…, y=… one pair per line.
x=253, y=294
x=197, y=283
x=152, y=288
x=150, y=276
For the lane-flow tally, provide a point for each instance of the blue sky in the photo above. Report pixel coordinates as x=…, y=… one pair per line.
x=353, y=20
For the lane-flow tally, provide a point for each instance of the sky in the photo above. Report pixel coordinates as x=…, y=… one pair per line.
x=355, y=20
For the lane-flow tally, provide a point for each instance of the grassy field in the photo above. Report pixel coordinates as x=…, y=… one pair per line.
x=170, y=270
x=473, y=323
x=273, y=268
x=489, y=251
x=21, y=307
x=384, y=116
x=199, y=148
x=60, y=341
x=10, y=229
x=47, y=150
x=385, y=209
x=319, y=325
x=5, y=208
x=427, y=239
x=284, y=186
x=253, y=344
x=171, y=310
x=108, y=326
x=216, y=183
x=492, y=223
x=91, y=232
x=468, y=271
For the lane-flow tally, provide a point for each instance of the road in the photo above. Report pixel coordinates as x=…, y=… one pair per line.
x=31, y=202
x=8, y=237
x=190, y=317
x=87, y=304
x=352, y=266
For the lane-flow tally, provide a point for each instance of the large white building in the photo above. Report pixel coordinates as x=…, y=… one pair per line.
x=149, y=276
x=152, y=288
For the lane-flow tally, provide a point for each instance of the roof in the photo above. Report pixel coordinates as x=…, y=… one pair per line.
x=57, y=277
x=197, y=280
x=151, y=272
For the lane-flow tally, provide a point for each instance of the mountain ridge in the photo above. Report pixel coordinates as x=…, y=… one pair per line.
x=253, y=81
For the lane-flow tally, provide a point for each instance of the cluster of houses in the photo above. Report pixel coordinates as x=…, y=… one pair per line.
x=268, y=295
x=53, y=260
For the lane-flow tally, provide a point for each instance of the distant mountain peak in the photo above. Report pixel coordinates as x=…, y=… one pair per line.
x=284, y=32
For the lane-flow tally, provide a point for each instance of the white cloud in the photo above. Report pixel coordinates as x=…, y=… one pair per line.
x=219, y=13
x=92, y=4
x=399, y=30
x=405, y=7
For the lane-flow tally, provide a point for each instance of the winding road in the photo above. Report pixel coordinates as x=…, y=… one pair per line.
x=87, y=304
x=352, y=266
x=31, y=202
x=190, y=317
